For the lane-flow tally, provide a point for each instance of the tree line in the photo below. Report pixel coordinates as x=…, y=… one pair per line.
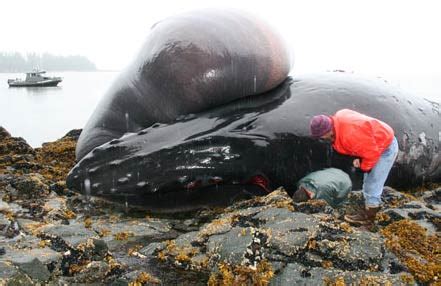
x=16, y=62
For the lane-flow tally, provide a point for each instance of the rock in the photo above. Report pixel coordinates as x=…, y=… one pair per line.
x=94, y=272
x=433, y=199
x=140, y=278
x=314, y=206
x=100, y=249
x=121, y=234
x=297, y=274
x=151, y=249
x=289, y=232
x=30, y=186
x=417, y=211
x=13, y=145
x=4, y=221
x=231, y=246
x=35, y=269
x=26, y=256
x=390, y=195
x=7, y=270
x=70, y=236
x=356, y=251
x=4, y=133
x=73, y=134
x=19, y=279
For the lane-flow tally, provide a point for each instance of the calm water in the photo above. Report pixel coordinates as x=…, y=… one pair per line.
x=47, y=113
x=43, y=114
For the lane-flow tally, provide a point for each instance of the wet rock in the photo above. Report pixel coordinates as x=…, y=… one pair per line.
x=19, y=279
x=232, y=246
x=297, y=274
x=255, y=241
x=417, y=249
x=26, y=255
x=35, y=269
x=13, y=145
x=289, y=232
x=139, y=278
x=30, y=186
x=29, y=226
x=355, y=251
x=433, y=199
x=151, y=249
x=12, y=230
x=100, y=249
x=7, y=270
x=313, y=207
x=94, y=272
x=121, y=234
x=417, y=211
x=73, y=134
x=391, y=196
x=67, y=236
x=4, y=222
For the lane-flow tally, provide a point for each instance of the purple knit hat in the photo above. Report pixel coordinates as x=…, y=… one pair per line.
x=320, y=125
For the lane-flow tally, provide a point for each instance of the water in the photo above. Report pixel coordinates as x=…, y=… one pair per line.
x=43, y=114
x=47, y=113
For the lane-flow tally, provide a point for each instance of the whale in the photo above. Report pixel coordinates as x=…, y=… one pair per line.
x=207, y=158
x=188, y=63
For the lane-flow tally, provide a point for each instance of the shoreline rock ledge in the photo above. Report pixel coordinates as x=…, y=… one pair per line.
x=53, y=236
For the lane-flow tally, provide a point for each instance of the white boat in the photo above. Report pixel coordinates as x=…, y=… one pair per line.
x=35, y=78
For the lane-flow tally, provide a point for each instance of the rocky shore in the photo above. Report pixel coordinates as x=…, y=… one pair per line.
x=50, y=235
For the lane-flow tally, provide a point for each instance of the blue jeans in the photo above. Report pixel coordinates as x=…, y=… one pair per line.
x=373, y=182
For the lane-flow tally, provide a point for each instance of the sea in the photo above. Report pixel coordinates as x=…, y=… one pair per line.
x=45, y=114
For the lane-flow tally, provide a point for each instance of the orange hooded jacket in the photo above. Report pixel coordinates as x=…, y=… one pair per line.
x=361, y=136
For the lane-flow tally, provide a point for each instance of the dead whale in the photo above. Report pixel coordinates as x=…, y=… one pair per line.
x=205, y=158
x=188, y=63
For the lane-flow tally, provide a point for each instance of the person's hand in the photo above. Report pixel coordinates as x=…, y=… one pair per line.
x=356, y=163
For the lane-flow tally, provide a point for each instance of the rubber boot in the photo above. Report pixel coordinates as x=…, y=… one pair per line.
x=365, y=217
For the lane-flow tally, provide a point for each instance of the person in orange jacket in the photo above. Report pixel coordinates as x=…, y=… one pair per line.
x=367, y=138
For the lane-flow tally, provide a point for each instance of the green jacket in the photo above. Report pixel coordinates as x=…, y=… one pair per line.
x=332, y=185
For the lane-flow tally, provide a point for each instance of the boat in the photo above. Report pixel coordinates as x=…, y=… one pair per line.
x=35, y=78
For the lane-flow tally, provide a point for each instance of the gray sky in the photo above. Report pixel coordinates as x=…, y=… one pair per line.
x=372, y=37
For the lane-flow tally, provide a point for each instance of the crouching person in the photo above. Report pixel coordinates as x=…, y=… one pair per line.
x=331, y=185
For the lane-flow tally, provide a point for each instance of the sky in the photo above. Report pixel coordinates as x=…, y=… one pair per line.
x=368, y=37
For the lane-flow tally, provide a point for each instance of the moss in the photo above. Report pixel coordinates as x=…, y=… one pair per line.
x=327, y=264
x=382, y=217
x=133, y=250
x=421, y=253
x=123, y=235
x=104, y=232
x=57, y=158
x=88, y=222
x=339, y=281
x=407, y=279
x=44, y=242
x=68, y=214
x=241, y=275
x=144, y=278
x=287, y=204
x=176, y=254
x=346, y=227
